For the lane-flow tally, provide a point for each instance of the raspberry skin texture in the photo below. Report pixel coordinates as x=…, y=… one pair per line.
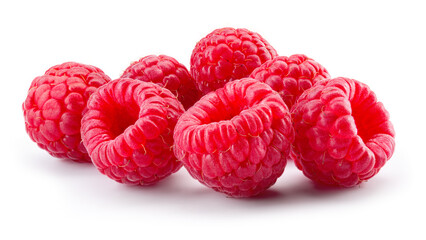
x=54, y=107
x=227, y=54
x=236, y=140
x=343, y=134
x=128, y=131
x=290, y=76
x=166, y=72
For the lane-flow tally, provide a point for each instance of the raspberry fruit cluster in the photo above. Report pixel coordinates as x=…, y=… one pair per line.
x=128, y=131
x=344, y=135
x=228, y=54
x=236, y=139
x=54, y=106
x=232, y=121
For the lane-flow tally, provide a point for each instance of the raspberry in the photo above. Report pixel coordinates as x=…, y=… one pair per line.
x=54, y=107
x=128, y=131
x=166, y=72
x=343, y=134
x=290, y=76
x=236, y=139
x=227, y=54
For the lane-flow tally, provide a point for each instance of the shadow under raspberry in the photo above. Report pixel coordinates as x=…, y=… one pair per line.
x=180, y=192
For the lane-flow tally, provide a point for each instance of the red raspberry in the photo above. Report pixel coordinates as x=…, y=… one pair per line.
x=236, y=139
x=290, y=76
x=54, y=107
x=227, y=54
x=166, y=72
x=343, y=134
x=128, y=131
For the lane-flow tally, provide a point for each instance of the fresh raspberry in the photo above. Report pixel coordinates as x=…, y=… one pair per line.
x=128, y=131
x=228, y=54
x=166, y=72
x=290, y=76
x=54, y=107
x=236, y=139
x=343, y=134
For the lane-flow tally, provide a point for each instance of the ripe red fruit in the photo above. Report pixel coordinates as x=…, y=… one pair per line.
x=228, y=54
x=236, y=139
x=290, y=76
x=166, y=72
x=343, y=134
x=54, y=107
x=128, y=131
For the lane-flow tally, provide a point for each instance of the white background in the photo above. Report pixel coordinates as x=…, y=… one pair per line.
x=381, y=43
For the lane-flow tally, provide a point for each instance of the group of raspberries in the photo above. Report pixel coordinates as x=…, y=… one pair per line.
x=232, y=121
